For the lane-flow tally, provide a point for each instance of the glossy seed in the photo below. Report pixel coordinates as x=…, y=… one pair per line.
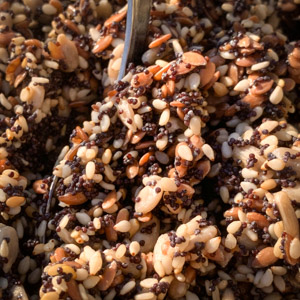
x=184, y=151
x=157, y=42
x=194, y=58
x=102, y=44
x=70, y=199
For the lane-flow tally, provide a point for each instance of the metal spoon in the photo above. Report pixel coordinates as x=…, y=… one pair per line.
x=137, y=20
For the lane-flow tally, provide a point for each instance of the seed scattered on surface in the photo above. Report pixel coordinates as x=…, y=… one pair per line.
x=185, y=152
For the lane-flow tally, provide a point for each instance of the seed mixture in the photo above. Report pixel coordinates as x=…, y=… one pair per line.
x=182, y=181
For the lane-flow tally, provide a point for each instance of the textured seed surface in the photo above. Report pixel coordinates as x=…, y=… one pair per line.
x=149, y=197
x=180, y=181
x=194, y=59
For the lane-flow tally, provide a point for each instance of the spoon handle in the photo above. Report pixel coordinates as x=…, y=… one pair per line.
x=137, y=22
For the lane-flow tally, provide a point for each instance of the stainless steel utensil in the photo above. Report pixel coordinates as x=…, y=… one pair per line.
x=137, y=21
x=138, y=14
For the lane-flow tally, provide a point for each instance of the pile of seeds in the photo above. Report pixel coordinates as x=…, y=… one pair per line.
x=182, y=181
